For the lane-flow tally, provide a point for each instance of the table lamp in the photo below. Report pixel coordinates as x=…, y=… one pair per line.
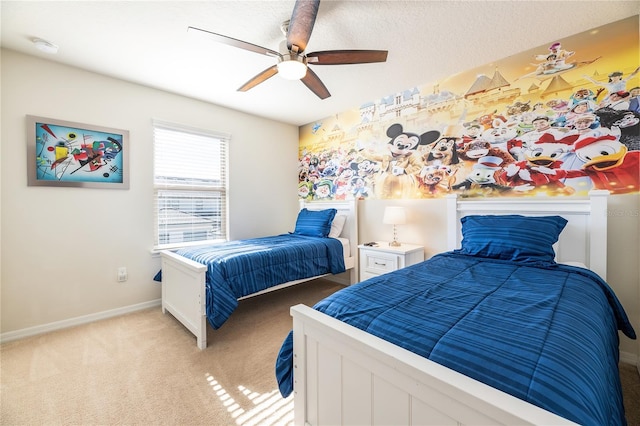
x=394, y=216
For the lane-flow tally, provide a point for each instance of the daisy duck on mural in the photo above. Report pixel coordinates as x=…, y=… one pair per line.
x=554, y=123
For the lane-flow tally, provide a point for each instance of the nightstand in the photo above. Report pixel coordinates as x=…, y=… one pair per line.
x=383, y=258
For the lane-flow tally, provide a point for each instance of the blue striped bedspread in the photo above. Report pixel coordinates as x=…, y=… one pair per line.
x=545, y=334
x=239, y=268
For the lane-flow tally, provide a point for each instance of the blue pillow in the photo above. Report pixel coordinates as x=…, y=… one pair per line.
x=527, y=239
x=314, y=223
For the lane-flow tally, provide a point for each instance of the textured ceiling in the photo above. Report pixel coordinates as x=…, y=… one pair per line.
x=146, y=42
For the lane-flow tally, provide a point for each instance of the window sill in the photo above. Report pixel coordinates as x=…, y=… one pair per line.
x=155, y=251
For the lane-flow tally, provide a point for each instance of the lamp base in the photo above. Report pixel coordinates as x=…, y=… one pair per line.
x=394, y=244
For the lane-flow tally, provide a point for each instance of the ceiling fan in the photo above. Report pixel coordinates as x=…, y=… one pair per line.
x=292, y=60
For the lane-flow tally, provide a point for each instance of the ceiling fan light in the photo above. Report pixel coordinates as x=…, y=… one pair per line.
x=292, y=67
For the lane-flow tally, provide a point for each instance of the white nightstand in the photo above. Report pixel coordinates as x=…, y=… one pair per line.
x=383, y=258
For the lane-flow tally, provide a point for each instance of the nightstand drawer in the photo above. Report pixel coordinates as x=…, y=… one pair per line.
x=381, y=263
x=382, y=257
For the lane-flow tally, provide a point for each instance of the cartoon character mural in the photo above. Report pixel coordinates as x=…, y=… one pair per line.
x=609, y=164
x=553, y=125
x=435, y=179
x=541, y=166
x=482, y=179
x=398, y=167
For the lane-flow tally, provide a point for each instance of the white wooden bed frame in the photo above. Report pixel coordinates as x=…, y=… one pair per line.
x=183, y=280
x=345, y=376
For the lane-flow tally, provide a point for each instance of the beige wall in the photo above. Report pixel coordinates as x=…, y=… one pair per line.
x=62, y=246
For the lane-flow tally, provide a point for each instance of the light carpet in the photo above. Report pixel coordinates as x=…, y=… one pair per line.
x=145, y=369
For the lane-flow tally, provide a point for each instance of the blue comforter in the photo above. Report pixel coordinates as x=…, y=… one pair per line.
x=545, y=334
x=240, y=268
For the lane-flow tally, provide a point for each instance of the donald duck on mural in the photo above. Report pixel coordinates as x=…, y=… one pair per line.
x=552, y=131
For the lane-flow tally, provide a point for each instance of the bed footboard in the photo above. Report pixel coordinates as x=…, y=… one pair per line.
x=343, y=375
x=183, y=293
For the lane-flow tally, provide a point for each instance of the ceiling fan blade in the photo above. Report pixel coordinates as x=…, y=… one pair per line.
x=343, y=57
x=263, y=76
x=301, y=24
x=233, y=42
x=312, y=81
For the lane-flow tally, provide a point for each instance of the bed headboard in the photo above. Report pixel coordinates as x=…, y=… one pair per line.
x=348, y=208
x=583, y=240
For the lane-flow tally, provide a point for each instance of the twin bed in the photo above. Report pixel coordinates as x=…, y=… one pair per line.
x=204, y=284
x=508, y=327
x=492, y=332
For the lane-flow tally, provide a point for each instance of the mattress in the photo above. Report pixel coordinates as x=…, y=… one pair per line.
x=346, y=247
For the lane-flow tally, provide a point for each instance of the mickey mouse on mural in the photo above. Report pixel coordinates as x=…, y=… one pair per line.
x=398, y=168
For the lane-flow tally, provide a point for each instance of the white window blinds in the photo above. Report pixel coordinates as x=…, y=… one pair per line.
x=190, y=185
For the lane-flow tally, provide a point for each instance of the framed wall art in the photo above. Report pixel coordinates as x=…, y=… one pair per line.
x=68, y=154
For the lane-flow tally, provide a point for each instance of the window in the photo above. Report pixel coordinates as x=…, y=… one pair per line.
x=190, y=185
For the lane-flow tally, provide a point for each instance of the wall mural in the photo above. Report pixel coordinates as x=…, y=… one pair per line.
x=557, y=120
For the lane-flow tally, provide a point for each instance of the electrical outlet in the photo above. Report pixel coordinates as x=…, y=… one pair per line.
x=122, y=274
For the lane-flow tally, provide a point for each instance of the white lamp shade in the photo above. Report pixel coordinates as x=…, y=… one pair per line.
x=394, y=216
x=292, y=69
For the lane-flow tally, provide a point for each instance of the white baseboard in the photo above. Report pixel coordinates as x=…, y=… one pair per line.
x=629, y=358
x=342, y=279
x=338, y=280
x=71, y=322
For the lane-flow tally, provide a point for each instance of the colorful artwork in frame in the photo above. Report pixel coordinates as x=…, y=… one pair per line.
x=67, y=154
x=556, y=120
